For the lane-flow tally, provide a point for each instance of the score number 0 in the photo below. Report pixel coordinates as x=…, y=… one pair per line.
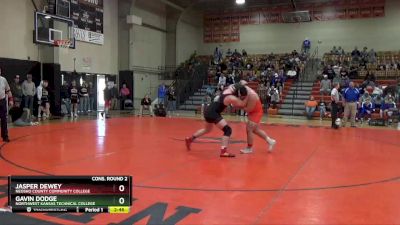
x=121, y=200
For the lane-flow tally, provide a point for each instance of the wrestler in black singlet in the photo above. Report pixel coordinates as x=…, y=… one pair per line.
x=212, y=114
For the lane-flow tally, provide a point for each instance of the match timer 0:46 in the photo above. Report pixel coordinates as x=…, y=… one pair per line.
x=90, y=194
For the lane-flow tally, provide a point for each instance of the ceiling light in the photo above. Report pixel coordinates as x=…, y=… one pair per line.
x=240, y=2
x=47, y=17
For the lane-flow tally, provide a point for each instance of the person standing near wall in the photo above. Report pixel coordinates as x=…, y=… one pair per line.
x=92, y=97
x=107, y=101
x=28, y=90
x=114, y=97
x=162, y=92
x=124, y=93
x=351, y=96
x=65, y=98
x=171, y=101
x=84, y=97
x=335, y=100
x=5, y=93
x=16, y=89
x=74, y=95
x=43, y=100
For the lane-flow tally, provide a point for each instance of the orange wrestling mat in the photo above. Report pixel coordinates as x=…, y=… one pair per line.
x=316, y=175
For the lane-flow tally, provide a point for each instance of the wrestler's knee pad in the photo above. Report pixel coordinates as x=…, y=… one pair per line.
x=227, y=130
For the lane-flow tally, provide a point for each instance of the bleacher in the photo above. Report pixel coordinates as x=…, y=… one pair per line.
x=382, y=58
x=327, y=98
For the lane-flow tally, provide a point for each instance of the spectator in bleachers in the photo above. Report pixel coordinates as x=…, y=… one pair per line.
x=217, y=56
x=329, y=71
x=351, y=97
x=230, y=79
x=388, y=97
x=370, y=76
x=16, y=90
x=388, y=109
x=325, y=86
x=310, y=105
x=306, y=46
x=229, y=53
x=341, y=51
x=275, y=79
x=334, y=51
x=28, y=90
x=366, y=109
x=378, y=91
x=353, y=73
x=355, y=54
x=378, y=102
x=337, y=69
x=292, y=74
x=345, y=81
x=275, y=98
x=222, y=81
x=244, y=53
x=322, y=109
x=236, y=53
x=364, y=55
x=372, y=56
x=294, y=53
x=262, y=92
x=337, y=79
x=364, y=97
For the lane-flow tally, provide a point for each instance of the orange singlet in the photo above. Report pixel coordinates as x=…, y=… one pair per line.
x=256, y=114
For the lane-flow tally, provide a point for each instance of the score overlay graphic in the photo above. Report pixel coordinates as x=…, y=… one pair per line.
x=90, y=194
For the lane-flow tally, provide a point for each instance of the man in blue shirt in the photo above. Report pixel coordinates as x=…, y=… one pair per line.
x=162, y=92
x=306, y=45
x=351, y=96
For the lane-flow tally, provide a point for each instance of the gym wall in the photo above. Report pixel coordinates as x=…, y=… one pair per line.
x=381, y=34
x=17, y=25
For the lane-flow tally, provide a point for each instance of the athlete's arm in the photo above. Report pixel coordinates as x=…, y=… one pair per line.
x=236, y=102
x=251, y=103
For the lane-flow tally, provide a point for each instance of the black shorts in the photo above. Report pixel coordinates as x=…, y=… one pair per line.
x=212, y=117
x=74, y=100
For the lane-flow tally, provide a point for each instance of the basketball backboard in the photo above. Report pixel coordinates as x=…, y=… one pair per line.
x=49, y=28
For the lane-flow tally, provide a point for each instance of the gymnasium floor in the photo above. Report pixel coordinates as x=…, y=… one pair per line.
x=315, y=176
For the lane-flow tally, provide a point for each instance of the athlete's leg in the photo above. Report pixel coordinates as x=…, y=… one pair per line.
x=223, y=125
x=250, y=127
x=207, y=128
x=259, y=132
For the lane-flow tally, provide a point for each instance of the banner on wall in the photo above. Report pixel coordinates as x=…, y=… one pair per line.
x=217, y=25
x=88, y=36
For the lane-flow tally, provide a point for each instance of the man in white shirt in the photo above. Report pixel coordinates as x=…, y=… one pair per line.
x=222, y=81
x=335, y=100
x=4, y=94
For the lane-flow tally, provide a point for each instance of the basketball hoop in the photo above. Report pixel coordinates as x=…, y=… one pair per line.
x=63, y=43
x=63, y=46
